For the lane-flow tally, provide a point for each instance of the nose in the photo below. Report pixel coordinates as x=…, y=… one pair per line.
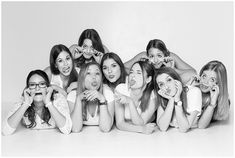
x=37, y=87
x=109, y=70
x=65, y=62
x=155, y=59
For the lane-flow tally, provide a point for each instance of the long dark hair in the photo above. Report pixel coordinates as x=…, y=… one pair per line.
x=149, y=69
x=55, y=51
x=118, y=60
x=159, y=44
x=163, y=101
x=221, y=111
x=93, y=35
x=30, y=112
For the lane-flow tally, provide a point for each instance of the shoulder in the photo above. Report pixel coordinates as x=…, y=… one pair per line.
x=194, y=92
x=106, y=50
x=47, y=70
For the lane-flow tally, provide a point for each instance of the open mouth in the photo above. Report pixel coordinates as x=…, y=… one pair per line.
x=132, y=82
x=38, y=93
x=66, y=70
x=204, y=86
x=94, y=84
x=111, y=76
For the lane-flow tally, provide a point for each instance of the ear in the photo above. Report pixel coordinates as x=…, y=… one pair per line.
x=149, y=79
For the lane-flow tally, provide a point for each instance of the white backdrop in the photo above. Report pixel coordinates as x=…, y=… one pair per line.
x=197, y=31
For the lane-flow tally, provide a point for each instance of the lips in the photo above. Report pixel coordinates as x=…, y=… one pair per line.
x=66, y=70
x=38, y=93
x=204, y=86
x=94, y=84
x=132, y=82
x=111, y=76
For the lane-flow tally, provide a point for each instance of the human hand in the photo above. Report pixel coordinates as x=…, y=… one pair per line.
x=97, y=55
x=169, y=62
x=91, y=95
x=214, y=93
x=72, y=86
x=194, y=80
x=149, y=128
x=28, y=98
x=179, y=88
x=123, y=99
x=47, y=97
x=164, y=94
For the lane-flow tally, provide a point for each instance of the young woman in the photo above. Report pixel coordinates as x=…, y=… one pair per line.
x=215, y=98
x=135, y=100
x=89, y=48
x=40, y=108
x=113, y=71
x=179, y=107
x=160, y=56
x=90, y=105
x=61, y=72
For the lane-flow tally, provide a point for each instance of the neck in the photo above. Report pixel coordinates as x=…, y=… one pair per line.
x=65, y=79
x=38, y=106
x=136, y=93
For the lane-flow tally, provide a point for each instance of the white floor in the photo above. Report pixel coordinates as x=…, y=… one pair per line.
x=217, y=140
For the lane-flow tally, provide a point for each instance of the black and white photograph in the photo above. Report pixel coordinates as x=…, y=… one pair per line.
x=117, y=78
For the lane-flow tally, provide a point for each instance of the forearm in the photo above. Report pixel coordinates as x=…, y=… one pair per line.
x=76, y=117
x=164, y=121
x=15, y=119
x=59, y=118
x=106, y=119
x=181, y=119
x=126, y=126
x=206, y=117
x=185, y=74
x=135, y=117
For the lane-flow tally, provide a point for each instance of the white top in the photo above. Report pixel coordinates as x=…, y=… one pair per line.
x=56, y=79
x=194, y=103
x=123, y=89
x=88, y=119
x=61, y=105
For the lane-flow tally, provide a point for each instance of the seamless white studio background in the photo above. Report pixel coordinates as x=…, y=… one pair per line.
x=197, y=31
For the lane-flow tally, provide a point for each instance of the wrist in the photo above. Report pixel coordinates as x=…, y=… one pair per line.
x=48, y=104
x=102, y=102
x=178, y=103
x=176, y=99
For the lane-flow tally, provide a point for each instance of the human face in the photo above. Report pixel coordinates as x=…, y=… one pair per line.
x=39, y=90
x=136, y=77
x=156, y=57
x=88, y=48
x=111, y=70
x=167, y=84
x=208, y=80
x=93, y=78
x=64, y=63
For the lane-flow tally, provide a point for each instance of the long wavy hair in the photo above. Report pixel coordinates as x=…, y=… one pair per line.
x=55, y=51
x=81, y=85
x=147, y=68
x=93, y=35
x=221, y=111
x=172, y=73
x=117, y=59
x=30, y=112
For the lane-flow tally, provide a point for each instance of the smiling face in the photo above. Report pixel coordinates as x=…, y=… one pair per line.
x=88, y=48
x=93, y=78
x=208, y=80
x=37, y=86
x=136, y=77
x=64, y=63
x=156, y=57
x=167, y=84
x=111, y=70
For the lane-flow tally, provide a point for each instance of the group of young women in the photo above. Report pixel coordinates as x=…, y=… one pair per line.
x=88, y=85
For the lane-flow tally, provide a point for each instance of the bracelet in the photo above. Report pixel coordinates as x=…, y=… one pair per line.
x=102, y=103
x=178, y=103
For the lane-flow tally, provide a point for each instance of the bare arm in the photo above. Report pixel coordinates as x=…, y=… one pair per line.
x=106, y=117
x=181, y=119
x=164, y=116
x=76, y=116
x=206, y=117
x=147, y=115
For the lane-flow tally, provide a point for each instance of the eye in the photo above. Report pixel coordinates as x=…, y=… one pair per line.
x=150, y=56
x=159, y=56
x=131, y=72
x=97, y=73
x=203, y=76
x=59, y=61
x=212, y=80
x=32, y=84
x=68, y=58
x=84, y=46
x=169, y=80
x=104, y=67
x=160, y=85
x=114, y=65
x=88, y=73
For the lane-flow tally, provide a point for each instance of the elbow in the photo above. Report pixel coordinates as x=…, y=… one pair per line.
x=119, y=125
x=201, y=126
x=184, y=129
x=77, y=129
x=105, y=129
